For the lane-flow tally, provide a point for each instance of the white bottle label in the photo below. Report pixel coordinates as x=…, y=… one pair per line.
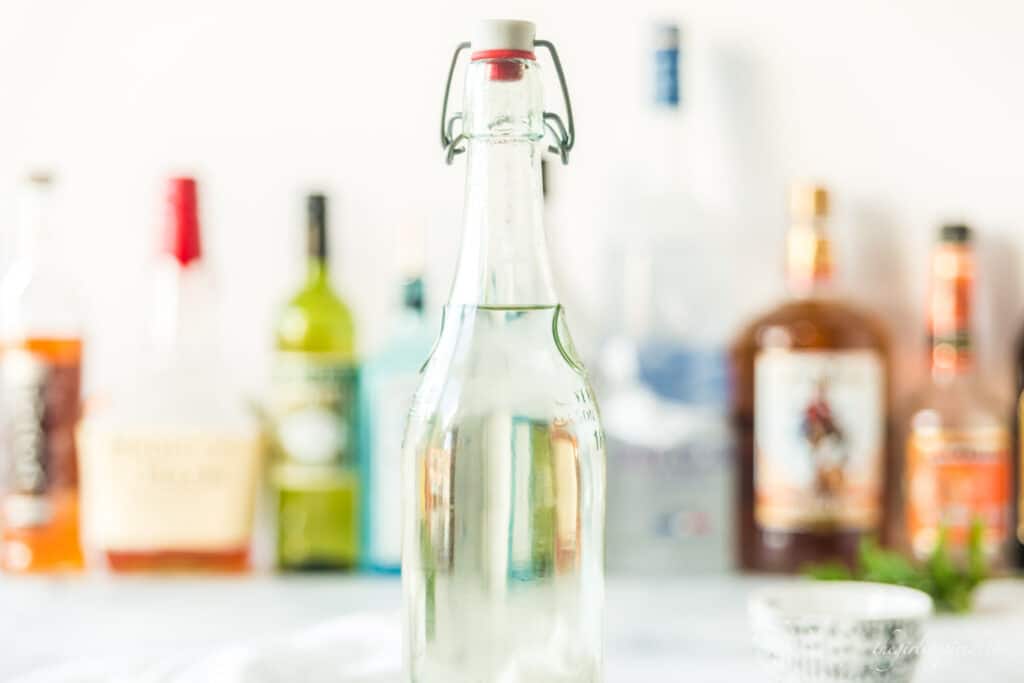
x=153, y=490
x=313, y=407
x=819, y=431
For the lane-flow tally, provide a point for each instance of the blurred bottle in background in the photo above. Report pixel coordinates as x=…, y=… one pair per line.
x=670, y=481
x=315, y=472
x=810, y=412
x=1017, y=457
x=388, y=380
x=957, y=468
x=40, y=386
x=170, y=457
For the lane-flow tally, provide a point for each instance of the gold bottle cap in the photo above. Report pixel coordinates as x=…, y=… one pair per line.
x=808, y=201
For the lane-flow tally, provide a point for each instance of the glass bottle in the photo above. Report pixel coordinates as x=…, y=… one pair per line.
x=170, y=457
x=503, y=458
x=315, y=472
x=957, y=468
x=809, y=408
x=1017, y=459
x=387, y=381
x=664, y=372
x=40, y=387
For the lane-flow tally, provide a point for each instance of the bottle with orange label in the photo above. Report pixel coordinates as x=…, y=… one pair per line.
x=957, y=469
x=40, y=378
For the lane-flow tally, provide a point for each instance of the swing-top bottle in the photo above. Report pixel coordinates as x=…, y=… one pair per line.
x=503, y=459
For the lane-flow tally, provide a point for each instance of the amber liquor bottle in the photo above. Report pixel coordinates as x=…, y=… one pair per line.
x=809, y=407
x=957, y=461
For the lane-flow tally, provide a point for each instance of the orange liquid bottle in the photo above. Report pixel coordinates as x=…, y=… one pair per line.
x=40, y=389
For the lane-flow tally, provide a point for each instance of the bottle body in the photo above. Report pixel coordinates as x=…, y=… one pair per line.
x=670, y=466
x=170, y=458
x=809, y=410
x=503, y=468
x=1017, y=457
x=957, y=471
x=314, y=472
x=40, y=389
x=41, y=384
x=809, y=413
x=170, y=471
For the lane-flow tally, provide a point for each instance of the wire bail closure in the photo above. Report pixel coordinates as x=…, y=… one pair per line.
x=565, y=136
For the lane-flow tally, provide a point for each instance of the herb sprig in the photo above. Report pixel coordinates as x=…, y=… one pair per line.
x=951, y=585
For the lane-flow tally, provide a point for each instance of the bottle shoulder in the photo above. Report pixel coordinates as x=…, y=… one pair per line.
x=315, y=319
x=813, y=324
x=958, y=404
x=517, y=361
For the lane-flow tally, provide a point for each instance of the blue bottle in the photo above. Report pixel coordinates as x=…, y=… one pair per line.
x=387, y=382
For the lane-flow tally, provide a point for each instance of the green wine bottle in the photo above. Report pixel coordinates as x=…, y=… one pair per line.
x=315, y=473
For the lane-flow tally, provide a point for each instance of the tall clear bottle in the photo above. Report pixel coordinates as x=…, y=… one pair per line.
x=503, y=459
x=40, y=380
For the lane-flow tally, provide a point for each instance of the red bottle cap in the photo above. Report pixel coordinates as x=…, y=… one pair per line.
x=181, y=239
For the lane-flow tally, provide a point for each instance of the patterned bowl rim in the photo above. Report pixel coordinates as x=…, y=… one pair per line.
x=903, y=604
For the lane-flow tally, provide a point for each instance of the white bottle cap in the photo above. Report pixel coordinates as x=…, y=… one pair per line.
x=503, y=34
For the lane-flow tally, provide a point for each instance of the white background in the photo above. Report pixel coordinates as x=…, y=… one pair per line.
x=911, y=111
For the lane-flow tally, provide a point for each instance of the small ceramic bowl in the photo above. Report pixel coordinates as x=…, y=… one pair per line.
x=839, y=631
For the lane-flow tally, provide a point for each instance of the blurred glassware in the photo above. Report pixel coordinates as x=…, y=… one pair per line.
x=315, y=469
x=663, y=372
x=503, y=459
x=170, y=458
x=388, y=380
x=809, y=406
x=957, y=458
x=40, y=397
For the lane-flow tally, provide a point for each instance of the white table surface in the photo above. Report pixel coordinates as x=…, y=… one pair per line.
x=684, y=629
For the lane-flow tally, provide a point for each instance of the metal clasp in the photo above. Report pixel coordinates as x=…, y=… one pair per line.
x=565, y=136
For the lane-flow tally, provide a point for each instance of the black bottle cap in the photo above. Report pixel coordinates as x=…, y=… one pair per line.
x=955, y=233
x=412, y=294
x=316, y=219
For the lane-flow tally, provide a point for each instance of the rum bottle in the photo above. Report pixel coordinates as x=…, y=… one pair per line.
x=809, y=407
x=40, y=387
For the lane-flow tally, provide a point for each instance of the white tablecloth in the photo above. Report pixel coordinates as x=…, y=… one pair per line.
x=686, y=629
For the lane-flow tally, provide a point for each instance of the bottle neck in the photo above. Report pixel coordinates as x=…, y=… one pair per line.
x=182, y=324
x=412, y=298
x=317, y=273
x=33, y=235
x=949, y=312
x=810, y=270
x=316, y=241
x=503, y=259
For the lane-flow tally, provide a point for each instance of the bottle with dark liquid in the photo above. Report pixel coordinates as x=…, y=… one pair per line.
x=809, y=406
x=1016, y=553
